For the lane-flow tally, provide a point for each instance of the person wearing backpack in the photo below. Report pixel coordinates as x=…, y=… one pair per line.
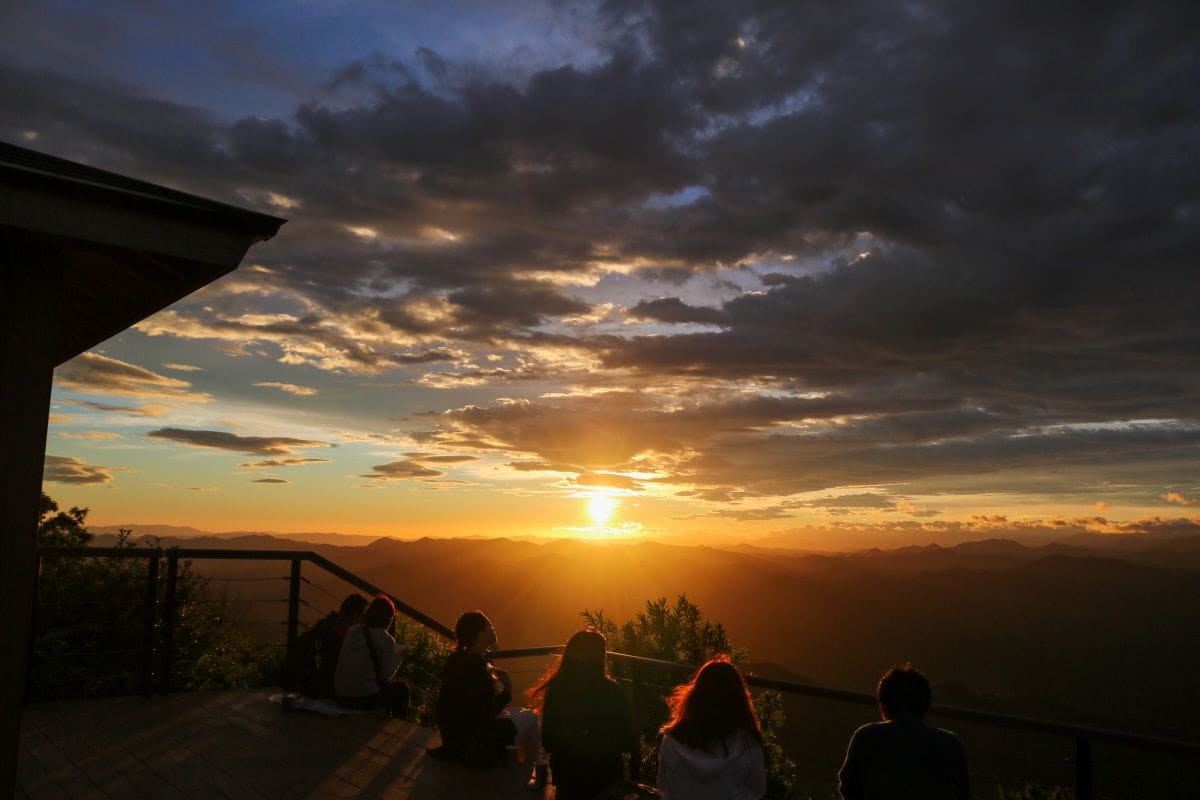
x=366, y=669
x=310, y=668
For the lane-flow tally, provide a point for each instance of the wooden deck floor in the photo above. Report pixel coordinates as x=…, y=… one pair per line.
x=236, y=745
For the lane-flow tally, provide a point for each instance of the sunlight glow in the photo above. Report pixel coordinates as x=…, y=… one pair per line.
x=601, y=508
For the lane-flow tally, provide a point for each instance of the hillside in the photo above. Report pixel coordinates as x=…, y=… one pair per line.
x=1055, y=630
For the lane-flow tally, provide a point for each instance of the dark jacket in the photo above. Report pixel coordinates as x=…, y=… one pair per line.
x=469, y=699
x=904, y=759
x=585, y=730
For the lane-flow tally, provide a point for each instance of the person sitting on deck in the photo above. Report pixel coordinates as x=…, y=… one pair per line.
x=472, y=714
x=313, y=662
x=365, y=675
x=902, y=758
x=587, y=724
x=712, y=744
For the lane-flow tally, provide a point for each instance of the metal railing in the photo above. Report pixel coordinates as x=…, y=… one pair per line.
x=1084, y=736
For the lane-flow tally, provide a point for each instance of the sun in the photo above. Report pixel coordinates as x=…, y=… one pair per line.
x=601, y=507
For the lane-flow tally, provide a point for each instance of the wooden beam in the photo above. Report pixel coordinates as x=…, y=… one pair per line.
x=30, y=279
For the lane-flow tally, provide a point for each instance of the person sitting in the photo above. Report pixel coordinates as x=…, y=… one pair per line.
x=311, y=665
x=366, y=669
x=712, y=744
x=586, y=721
x=902, y=758
x=472, y=714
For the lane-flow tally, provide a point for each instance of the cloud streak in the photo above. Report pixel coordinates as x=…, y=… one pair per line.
x=223, y=440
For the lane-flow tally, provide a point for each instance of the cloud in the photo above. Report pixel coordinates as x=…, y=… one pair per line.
x=95, y=436
x=222, y=440
x=182, y=367
x=65, y=469
x=889, y=293
x=270, y=480
x=93, y=373
x=1176, y=498
x=608, y=480
x=442, y=459
x=401, y=471
x=282, y=462
x=290, y=388
x=132, y=411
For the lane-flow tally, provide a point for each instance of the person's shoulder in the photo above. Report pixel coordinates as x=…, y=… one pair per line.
x=872, y=730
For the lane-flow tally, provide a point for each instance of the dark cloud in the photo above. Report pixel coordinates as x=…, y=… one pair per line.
x=672, y=309
x=966, y=233
x=64, y=469
x=223, y=440
x=97, y=374
x=270, y=480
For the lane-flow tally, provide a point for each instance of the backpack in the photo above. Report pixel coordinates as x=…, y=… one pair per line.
x=310, y=668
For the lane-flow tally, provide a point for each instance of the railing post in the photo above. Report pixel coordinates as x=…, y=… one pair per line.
x=1083, y=768
x=167, y=668
x=293, y=622
x=151, y=618
x=635, y=758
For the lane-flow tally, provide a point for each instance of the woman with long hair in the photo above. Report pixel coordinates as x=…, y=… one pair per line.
x=712, y=744
x=586, y=721
x=365, y=676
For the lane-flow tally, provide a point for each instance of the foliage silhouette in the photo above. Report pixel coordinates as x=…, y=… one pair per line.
x=87, y=636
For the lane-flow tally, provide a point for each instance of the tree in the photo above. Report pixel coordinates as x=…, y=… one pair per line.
x=88, y=631
x=679, y=632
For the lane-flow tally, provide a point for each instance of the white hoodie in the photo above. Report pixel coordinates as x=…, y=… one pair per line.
x=687, y=774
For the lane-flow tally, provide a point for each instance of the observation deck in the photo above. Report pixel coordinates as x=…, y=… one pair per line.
x=230, y=745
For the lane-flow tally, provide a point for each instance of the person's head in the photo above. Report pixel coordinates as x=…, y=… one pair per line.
x=353, y=607
x=903, y=691
x=380, y=613
x=474, y=631
x=583, y=663
x=714, y=704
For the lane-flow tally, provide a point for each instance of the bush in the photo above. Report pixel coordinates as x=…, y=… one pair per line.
x=89, y=622
x=679, y=632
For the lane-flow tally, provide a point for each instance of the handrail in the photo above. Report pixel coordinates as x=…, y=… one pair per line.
x=1032, y=724
x=251, y=555
x=1083, y=735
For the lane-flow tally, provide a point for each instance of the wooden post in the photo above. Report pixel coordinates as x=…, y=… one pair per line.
x=1083, y=768
x=30, y=276
x=293, y=621
x=635, y=682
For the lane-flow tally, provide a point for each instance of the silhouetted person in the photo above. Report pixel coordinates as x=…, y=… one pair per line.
x=902, y=758
x=472, y=716
x=712, y=744
x=311, y=666
x=366, y=669
x=586, y=720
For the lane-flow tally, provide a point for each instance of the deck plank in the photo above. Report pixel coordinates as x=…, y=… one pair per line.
x=235, y=745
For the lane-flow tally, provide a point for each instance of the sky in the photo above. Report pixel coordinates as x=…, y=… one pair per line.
x=807, y=274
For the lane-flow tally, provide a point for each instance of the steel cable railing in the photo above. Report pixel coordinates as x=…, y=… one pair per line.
x=158, y=625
